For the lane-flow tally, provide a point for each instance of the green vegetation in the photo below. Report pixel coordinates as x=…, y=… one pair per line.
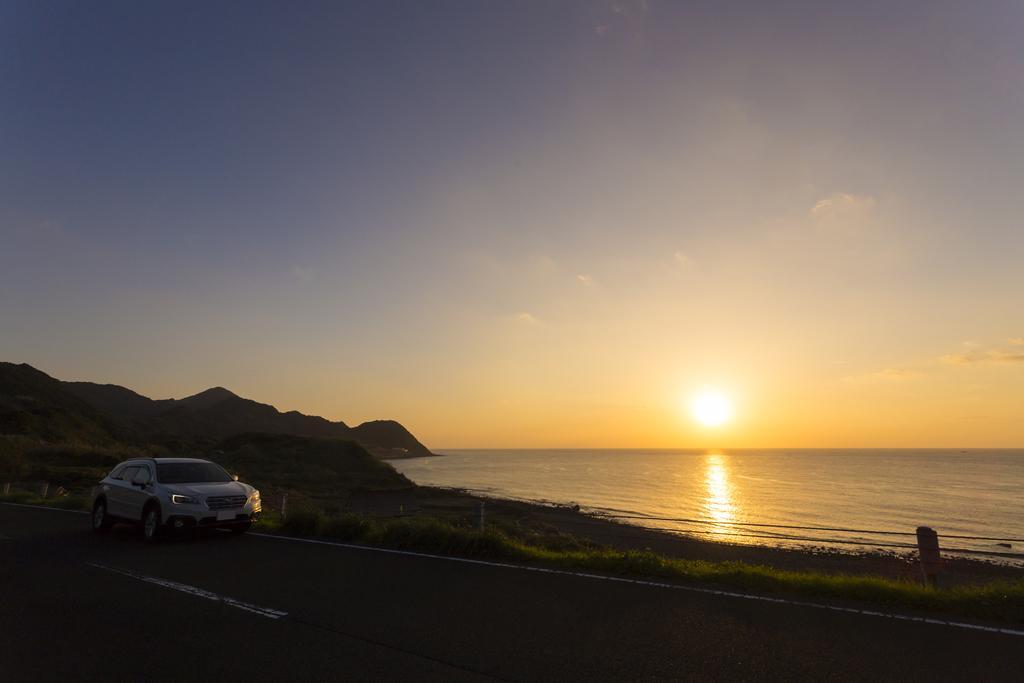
x=1002, y=601
x=318, y=468
x=72, y=464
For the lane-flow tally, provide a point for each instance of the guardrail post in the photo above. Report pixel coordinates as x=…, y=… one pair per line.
x=928, y=549
x=284, y=505
x=481, y=515
x=44, y=489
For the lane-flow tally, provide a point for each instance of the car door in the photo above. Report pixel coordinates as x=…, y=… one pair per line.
x=119, y=493
x=137, y=491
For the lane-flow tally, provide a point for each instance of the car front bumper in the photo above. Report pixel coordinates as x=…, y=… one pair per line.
x=207, y=518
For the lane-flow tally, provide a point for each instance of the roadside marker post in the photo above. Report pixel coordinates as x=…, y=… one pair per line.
x=7, y=488
x=931, y=560
x=44, y=489
x=481, y=515
x=284, y=505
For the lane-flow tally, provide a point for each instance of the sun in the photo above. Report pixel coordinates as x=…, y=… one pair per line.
x=711, y=408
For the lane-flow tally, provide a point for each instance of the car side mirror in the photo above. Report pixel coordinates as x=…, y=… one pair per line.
x=234, y=477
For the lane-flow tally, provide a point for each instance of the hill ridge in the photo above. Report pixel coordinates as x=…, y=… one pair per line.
x=112, y=412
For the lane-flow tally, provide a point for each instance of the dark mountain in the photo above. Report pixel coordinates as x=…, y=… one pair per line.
x=34, y=404
x=317, y=467
x=113, y=400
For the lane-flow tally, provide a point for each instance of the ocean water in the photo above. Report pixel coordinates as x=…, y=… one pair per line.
x=737, y=495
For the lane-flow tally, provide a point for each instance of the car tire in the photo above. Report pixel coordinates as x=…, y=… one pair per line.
x=150, y=524
x=241, y=528
x=101, y=521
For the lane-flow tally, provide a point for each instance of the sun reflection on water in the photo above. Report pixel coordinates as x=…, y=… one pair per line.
x=718, y=505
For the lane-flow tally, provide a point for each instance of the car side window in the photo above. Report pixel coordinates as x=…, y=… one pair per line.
x=129, y=473
x=143, y=476
x=117, y=472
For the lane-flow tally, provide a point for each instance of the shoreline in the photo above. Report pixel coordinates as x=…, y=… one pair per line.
x=536, y=518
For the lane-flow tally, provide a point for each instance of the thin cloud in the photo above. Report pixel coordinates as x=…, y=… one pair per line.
x=974, y=354
x=526, y=318
x=682, y=259
x=1006, y=357
x=991, y=356
x=586, y=280
x=842, y=204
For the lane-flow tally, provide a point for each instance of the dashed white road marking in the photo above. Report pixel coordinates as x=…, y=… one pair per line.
x=198, y=592
x=661, y=584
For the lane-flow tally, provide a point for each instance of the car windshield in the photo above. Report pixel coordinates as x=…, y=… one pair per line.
x=190, y=473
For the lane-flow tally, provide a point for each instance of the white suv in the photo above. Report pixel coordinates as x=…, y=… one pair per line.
x=173, y=493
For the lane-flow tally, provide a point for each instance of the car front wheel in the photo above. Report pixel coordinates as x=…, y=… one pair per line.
x=151, y=524
x=100, y=519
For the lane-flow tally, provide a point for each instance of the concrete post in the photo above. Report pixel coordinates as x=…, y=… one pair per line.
x=481, y=515
x=284, y=505
x=931, y=560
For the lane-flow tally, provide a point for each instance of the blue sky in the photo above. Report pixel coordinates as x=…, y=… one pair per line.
x=517, y=223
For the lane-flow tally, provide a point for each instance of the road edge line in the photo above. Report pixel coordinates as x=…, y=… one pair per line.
x=44, y=507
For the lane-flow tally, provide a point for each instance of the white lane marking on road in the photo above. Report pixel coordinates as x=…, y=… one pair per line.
x=192, y=590
x=46, y=507
x=660, y=584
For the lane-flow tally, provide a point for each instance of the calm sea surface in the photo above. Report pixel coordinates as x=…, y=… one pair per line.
x=726, y=494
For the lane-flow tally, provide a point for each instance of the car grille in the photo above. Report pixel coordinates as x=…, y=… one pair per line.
x=225, y=502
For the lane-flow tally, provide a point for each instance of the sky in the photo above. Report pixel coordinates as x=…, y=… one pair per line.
x=528, y=224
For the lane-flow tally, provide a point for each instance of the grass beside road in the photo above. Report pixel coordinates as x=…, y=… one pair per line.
x=997, y=601
x=1000, y=601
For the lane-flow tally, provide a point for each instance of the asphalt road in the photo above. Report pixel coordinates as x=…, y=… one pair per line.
x=77, y=606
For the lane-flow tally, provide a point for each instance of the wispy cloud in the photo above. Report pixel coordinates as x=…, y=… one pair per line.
x=974, y=354
x=682, y=259
x=983, y=357
x=585, y=280
x=842, y=205
x=526, y=318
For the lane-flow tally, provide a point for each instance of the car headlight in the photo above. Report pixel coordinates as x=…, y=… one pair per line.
x=178, y=499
